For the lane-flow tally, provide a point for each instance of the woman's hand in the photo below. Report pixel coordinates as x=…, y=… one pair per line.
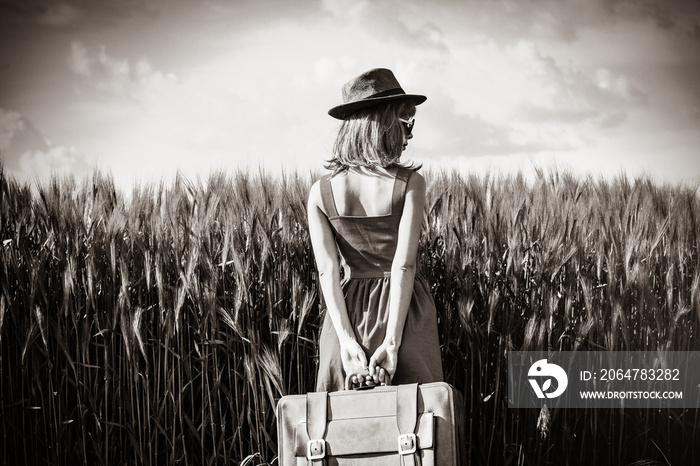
x=382, y=364
x=353, y=357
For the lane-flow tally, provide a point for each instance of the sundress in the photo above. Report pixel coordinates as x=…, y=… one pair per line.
x=366, y=245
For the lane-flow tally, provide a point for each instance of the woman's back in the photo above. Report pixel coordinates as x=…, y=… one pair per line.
x=366, y=229
x=363, y=193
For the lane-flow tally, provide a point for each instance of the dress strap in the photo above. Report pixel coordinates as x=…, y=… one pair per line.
x=399, y=195
x=327, y=197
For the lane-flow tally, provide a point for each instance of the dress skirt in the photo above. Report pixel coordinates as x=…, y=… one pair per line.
x=367, y=302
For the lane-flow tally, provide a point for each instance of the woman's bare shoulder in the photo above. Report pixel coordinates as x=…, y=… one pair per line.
x=416, y=182
x=315, y=194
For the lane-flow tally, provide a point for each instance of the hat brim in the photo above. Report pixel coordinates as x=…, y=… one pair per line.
x=341, y=112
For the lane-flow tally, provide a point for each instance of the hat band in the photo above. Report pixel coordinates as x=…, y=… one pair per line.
x=395, y=91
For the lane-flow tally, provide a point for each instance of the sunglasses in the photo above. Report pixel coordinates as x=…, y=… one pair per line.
x=408, y=125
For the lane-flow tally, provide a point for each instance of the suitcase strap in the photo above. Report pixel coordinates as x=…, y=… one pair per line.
x=406, y=420
x=316, y=416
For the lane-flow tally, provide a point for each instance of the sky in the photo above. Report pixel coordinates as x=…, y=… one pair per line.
x=144, y=89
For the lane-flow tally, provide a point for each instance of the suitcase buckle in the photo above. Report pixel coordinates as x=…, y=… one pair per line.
x=407, y=444
x=316, y=449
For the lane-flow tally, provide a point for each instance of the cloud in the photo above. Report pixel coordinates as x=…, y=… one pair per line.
x=449, y=133
x=618, y=88
x=59, y=160
x=79, y=61
x=570, y=96
x=382, y=20
x=60, y=14
x=679, y=16
x=102, y=73
x=694, y=30
x=10, y=124
x=519, y=82
x=26, y=153
x=220, y=111
x=18, y=135
x=71, y=13
x=542, y=20
x=493, y=98
x=663, y=16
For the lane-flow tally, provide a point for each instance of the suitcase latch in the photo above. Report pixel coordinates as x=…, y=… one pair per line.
x=407, y=444
x=316, y=449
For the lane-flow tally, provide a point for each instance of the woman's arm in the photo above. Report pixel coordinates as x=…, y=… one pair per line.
x=326, y=253
x=403, y=272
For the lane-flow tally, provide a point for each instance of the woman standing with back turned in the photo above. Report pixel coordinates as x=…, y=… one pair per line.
x=365, y=216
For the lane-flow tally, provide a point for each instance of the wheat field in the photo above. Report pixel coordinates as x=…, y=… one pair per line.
x=161, y=326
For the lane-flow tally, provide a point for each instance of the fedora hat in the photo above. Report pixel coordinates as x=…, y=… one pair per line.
x=371, y=88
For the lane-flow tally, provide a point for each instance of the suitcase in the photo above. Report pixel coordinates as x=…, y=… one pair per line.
x=416, y=424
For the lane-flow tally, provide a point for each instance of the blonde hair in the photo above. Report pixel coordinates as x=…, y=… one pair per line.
x=371, y=137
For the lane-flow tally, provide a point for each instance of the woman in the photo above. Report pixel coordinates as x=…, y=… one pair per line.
x=368, y=210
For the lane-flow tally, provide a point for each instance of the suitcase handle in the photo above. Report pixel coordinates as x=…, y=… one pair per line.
x=362, y=386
